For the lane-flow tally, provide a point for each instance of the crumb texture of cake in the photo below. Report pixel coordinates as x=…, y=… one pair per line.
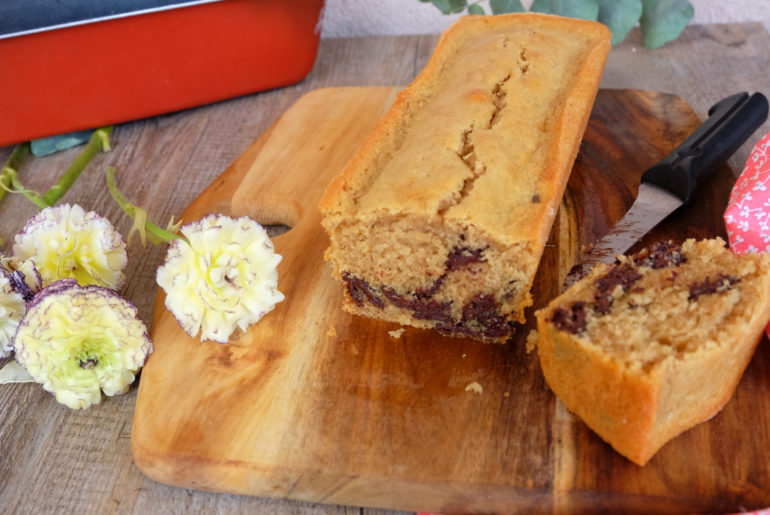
x=646, y=348
x=441, y=217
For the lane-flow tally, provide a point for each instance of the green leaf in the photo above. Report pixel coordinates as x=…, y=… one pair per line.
x=140, y=220
x=663, y=20
x=586, y=9
x=154, y=233
x=450, y=6
x=475, y=9
x=46, y=146
x=457, y=6
x=620, y=16
x=506, y=6
x=442, y=5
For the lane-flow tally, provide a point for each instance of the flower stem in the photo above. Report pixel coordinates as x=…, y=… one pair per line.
x=99, y=142
x=18, y=187
x=20, y=151
x=131, y=210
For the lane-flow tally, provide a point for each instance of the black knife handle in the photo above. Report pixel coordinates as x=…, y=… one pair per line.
x=731, y=121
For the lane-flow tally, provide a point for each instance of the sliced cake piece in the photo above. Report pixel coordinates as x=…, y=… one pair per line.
x=441, y=217
x=647, y=348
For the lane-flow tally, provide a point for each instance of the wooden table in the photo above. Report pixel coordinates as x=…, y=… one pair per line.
x=53, y=459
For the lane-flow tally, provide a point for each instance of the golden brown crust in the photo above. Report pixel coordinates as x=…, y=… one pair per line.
x=336, y=200
x=472, y=157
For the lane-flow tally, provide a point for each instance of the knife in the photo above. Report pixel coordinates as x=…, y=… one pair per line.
x=672, y=182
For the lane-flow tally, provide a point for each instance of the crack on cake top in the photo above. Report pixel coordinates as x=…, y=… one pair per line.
x=467, y=151
x=468, y=155
x=499, y=100
x=523, y=62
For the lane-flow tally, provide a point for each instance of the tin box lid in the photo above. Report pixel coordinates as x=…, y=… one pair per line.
x=20, y=17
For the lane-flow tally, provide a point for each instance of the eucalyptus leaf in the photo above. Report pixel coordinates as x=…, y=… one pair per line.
x=46, y=146
x=458, y=6
x=442, y=5
x=620, y=16
x=506, y=6
x=475, y=9
x=663, y=20
x=586, y=9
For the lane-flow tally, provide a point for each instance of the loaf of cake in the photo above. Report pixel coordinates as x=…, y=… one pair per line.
x=441, y=217
x=650, y=346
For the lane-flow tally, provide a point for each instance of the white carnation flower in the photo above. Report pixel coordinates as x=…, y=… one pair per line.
x=68, y=242
x=78, y=341
x=19, y=281
x=24, y=277
x=12, y=308
x=225, y=278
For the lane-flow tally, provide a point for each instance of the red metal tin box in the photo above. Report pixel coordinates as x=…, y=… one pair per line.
x=113, y=70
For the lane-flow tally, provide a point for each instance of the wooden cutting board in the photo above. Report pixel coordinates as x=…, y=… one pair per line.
x=317, y=405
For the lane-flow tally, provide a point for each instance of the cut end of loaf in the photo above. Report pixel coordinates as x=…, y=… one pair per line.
x=429, y=275
x=650, y=346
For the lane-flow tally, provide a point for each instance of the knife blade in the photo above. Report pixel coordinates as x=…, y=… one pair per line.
x=672, y=182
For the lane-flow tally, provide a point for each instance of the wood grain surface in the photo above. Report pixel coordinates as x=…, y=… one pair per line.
x=318, y=405
x=55, y=460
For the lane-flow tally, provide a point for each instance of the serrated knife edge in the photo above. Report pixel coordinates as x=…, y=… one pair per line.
x=672, y=182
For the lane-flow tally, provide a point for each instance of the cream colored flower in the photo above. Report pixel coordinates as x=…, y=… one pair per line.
x=19, y=281
x=68, y=242
x=225, y=278
x=23, y=274
x=78, y=341
x=12, y=307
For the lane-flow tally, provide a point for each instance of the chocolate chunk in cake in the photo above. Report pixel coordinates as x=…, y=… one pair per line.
x=572, y=319
x=360, y=291
x=619, y=275
x=662, y=254
x=707, y=287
